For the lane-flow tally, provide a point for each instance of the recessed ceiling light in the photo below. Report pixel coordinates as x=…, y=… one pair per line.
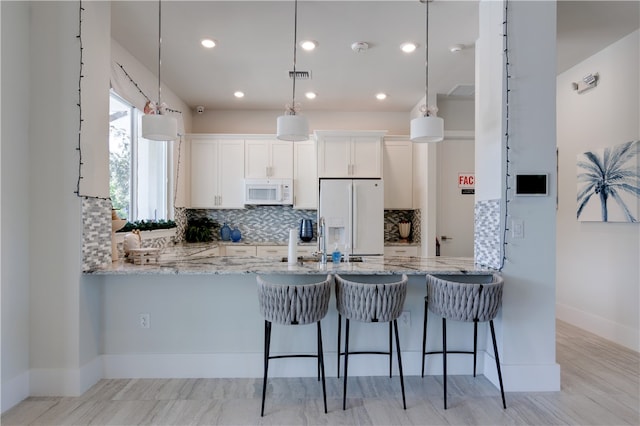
x=310, y=95
x=381, y=96
x=208, y=43
x=238, y=94
x=408, y=47
x=308, y=44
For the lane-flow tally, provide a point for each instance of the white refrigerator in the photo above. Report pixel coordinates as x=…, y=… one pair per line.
x=353, y=212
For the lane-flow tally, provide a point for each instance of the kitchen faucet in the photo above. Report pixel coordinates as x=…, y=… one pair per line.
x=322, y=241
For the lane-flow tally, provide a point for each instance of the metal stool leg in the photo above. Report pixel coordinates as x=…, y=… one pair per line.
x=267, y=343
x=390, y=350
x=424, y=336
x=339, y=336
x=346, y=364
x=444, y=359
x=321, y=365
x=495, y=349
x=475, y=345
x=395, y=326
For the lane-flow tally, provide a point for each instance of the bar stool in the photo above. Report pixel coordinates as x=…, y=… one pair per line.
x=293, y=304
x=468, y=298
x=369, y=302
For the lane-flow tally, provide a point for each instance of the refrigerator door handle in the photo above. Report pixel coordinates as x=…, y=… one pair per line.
x=351, y=221
x=354, y=216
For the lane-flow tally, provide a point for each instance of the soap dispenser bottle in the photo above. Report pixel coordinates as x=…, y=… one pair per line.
x=336, y=255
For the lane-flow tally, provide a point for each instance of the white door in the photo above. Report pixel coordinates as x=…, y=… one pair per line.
x=368, y=217
x=454, y=224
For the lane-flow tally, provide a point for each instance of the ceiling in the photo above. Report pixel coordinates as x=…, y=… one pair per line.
x=254, y=49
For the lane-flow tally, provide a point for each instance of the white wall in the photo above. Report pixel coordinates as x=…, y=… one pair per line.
x=526, y=322
x=212, y=121
x=598, y=272
x=14, y=228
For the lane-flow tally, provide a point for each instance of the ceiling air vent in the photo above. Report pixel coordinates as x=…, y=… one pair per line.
x=300, y=75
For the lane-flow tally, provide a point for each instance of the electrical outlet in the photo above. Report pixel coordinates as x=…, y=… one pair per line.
x=405, y=319
x=144, y=320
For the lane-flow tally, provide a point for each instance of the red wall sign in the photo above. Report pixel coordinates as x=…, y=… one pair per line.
x=466, y=180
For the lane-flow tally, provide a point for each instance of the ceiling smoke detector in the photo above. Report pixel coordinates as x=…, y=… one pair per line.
x=360, y=46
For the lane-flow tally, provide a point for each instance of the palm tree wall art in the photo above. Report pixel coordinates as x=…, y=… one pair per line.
x=609, y=184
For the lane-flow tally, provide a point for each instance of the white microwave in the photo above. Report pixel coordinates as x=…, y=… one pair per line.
x=268, y=191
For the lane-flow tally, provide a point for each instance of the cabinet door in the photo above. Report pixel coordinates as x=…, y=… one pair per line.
x=256, y=159
x=281, y=156
x=366, y=157
x=204, y=185
x=268, y=159
x=305, y=176
x=240, y=250
x=334, y=156
x=398, y=175
x=272, y=251
x=231, y=173
x=401, y=251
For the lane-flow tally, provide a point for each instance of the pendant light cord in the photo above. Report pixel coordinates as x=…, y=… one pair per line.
x=295, y=50
x=159, y=51
x=426, y=59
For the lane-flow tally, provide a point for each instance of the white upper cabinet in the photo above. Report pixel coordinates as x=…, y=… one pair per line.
x=305, y=175
x=349, y=154
x=267, y=158
x=217, y=172
x=398, y=174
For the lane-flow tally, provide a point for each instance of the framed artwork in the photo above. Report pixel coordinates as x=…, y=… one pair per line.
x=609, y=184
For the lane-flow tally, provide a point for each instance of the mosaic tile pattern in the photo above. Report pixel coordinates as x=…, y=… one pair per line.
x=180, y=218
x=393, y=217
x=487, y=241
x=272, y=223
x=259, y=223
x=96, y=233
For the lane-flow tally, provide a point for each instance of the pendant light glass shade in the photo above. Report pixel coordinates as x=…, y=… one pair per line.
x=427, y=129
x=157, y=127
x=292, y=128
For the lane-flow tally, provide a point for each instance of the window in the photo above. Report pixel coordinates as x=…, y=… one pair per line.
x=140, y=170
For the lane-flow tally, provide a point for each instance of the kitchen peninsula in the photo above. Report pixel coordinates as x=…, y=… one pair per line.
x=197, y=259
x=201, y=316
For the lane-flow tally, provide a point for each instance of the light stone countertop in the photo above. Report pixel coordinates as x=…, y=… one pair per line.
x=198, y=259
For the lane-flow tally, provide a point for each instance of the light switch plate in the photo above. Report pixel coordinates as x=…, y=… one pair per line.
x=517, y=228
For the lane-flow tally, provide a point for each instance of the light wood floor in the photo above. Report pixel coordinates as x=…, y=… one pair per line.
x=600, y=386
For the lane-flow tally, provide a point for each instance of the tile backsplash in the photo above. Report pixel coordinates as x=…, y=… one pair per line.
x=272, y=223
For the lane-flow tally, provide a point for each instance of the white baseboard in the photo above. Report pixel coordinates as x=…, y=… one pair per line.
x=517, y=378
x=603, y=327
x=14, y=390
x=65, y=382
x=522, y=377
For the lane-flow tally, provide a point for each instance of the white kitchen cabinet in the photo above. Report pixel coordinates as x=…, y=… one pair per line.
x=241, y=250
x=349, y=154
x=217, y=173
x=401, y=251
x=305, y=175
x=306, y=250
x=398, y=174
x=272, y=251
x=267, y=158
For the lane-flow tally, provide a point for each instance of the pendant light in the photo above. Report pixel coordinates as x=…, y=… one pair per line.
x=291, y=126
x=156, y=125
x=429, y=127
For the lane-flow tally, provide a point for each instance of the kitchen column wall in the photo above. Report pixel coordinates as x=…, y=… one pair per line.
x=525, y=325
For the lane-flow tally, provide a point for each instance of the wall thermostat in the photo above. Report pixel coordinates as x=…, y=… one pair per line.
x=532, y=184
